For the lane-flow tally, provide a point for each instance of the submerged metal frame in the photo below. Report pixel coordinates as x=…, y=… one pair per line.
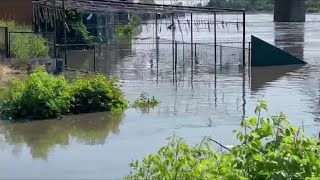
x=129, y=7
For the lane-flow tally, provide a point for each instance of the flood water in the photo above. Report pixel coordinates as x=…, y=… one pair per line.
x=209, y=103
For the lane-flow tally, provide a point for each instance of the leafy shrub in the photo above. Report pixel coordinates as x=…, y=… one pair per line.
x=96, y=94
x=27, y=46
x=269, y=148
x=128, y=29
x=40, y=96
x=44, y=96
x=124, y=30
x=144, y=102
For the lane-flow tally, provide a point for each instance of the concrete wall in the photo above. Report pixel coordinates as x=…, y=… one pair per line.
x=290, y=11
x=17, y=10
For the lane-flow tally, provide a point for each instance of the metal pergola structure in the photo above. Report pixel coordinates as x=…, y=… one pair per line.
x=60, y=6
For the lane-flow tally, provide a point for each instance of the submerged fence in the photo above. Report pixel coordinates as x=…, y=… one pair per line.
x=165, y=33
x=143, y=54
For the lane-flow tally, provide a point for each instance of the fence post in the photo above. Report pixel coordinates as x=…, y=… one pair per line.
x=215, y=39
x=94, y=58
x=191, y=42
x=64, y=31
x=176, y=57
x=244, y=40
x=173, y=41
x=195, y=52
x=6, y=42
x=220, y=55
x=55, y=29
x=249, y=54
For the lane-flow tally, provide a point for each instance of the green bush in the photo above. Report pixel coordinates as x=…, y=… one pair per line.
x=269, y=148
x=124, y=30
x=40, y=96
x=44, y=96
x=144, y=102
x=27, y=46
x=96, y=94
x=129, y=28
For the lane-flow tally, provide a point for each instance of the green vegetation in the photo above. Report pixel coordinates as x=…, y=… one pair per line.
x=96, y=94
x=129, y=28
x=44, y=96
x=313, y=6
x=75, y=21
x=27, y=46
x=258, y=5
x=24, y=46
x=269, y=148
x=144, y=102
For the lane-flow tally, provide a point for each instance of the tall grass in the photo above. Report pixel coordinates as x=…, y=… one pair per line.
x=24, y=46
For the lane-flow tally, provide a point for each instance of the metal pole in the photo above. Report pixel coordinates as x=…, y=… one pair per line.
x=195, y=52
x=191, y=42
x=244, y=40
x=6, y=42
x=64, y=32
x=9, y=44
x=249, y=55
x=55, y=29
x=173, y=41
x=176, y=57
x=46, y=19
x=94, y=58
x=220, y=55
x=157, y=48
x=215, y=39
x=157, y=39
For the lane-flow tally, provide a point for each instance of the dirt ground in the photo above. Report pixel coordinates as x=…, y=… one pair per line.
x=7, y=74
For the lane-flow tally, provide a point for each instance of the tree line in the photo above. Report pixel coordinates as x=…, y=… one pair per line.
x=258, y=5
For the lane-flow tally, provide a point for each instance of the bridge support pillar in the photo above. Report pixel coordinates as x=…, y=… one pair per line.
x=290, y=11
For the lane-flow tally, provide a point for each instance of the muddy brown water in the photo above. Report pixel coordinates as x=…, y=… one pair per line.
x=100, y=146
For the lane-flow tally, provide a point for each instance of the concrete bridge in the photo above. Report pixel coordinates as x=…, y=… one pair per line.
x=290, y=11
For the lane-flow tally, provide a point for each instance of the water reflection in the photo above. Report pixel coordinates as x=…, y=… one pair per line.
x=261, y=76
x=290, y=37
x=42, y=136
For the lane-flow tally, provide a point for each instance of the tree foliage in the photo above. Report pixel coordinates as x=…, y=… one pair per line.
x=269, y=148
x=258, y=5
